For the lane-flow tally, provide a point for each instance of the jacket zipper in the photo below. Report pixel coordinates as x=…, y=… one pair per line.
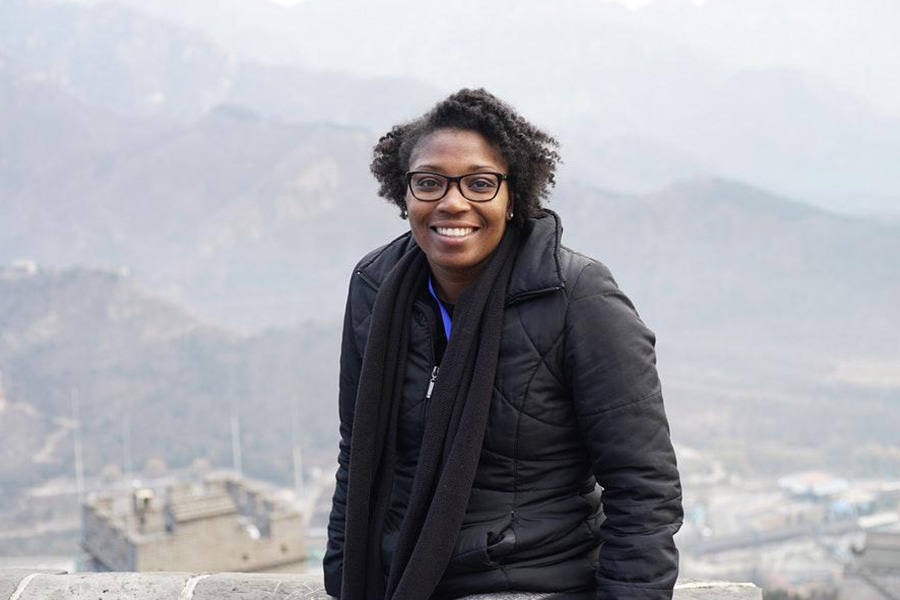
x=429, y=320
x=367, y=279
x=434, y=374
x=508, y=303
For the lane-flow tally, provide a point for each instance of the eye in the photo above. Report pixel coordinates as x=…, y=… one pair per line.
x=427, y=182
x=481, y=183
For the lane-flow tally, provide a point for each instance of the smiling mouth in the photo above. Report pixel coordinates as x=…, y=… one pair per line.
x=454, y=232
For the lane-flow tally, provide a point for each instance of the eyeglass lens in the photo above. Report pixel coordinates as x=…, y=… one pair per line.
x=478, y=187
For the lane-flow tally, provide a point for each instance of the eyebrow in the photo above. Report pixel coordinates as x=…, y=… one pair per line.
x=471, y=169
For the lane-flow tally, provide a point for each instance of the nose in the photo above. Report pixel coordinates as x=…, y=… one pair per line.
x=453, y=201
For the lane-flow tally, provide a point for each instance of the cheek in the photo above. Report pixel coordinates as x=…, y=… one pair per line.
x=503, y=209
x=413, y=209
x=498, y=224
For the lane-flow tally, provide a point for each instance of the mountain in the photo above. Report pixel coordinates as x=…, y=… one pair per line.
x=714, y=258
x=115, y=58
x=138, y=362
x=831, y=39
x=236, y=215
x=776, y=322
x=640, y=98
x=242, y=216
x=52, y=141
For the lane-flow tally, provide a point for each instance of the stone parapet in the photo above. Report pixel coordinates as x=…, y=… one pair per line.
x=25, y=584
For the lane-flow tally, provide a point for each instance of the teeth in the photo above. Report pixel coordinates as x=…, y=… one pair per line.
x=455, y=231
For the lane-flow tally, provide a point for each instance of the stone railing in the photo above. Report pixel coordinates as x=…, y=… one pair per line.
x=25, y=584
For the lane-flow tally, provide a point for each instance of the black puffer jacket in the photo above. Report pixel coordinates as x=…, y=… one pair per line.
x=576, y=402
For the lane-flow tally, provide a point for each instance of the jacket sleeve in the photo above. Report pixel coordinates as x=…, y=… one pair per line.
x=611, y=368
x=350, y=365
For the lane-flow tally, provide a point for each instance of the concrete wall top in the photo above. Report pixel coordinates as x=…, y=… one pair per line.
x=25, y=584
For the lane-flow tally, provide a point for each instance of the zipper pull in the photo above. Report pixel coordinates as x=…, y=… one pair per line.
x=434, y=373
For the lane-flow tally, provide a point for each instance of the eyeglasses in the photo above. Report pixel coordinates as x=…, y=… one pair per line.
x=475, y=187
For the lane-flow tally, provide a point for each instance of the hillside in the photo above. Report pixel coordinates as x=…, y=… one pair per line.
x=234, y=214
x=776, y=322
x=712, y=258
x=139, y=363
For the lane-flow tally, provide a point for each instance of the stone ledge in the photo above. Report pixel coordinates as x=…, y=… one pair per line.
x=25, y=584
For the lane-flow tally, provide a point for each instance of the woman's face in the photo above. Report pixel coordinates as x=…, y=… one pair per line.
x=457, y=235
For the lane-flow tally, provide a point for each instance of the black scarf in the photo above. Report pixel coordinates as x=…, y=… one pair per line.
x=454, y=433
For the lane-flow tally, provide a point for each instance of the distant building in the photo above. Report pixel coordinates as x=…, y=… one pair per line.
x=24, y=266
x=874, y=573
x=222, y=524
x=813, y=485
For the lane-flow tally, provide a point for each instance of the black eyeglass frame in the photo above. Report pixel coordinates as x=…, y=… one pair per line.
x=458, y=180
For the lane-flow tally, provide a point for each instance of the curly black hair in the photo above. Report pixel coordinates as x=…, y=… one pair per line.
x=529, y=152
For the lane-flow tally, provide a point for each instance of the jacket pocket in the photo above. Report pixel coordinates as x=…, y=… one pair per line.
x=479, y=550
x=499, y=544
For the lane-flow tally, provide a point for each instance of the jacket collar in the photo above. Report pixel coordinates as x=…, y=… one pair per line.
x=536, y=270
x=537, y=267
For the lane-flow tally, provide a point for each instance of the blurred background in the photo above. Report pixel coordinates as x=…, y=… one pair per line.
x=184, y=190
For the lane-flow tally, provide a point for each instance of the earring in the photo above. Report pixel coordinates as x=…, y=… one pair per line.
x=509, y=216
x=404, y=213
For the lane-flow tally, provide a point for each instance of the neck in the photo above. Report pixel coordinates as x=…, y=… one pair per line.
x=450, y=283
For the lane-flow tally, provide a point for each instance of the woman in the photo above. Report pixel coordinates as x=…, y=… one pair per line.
x=490, y=379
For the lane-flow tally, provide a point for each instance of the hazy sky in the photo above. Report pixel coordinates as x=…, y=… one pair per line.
x=628, y=3
x=640, y=3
